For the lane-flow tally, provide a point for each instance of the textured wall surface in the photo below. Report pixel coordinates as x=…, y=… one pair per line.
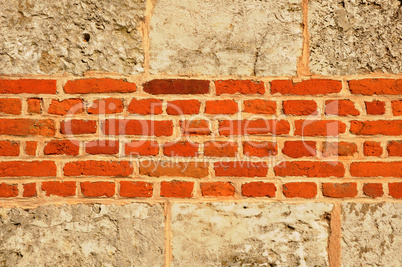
x=71, y=36
x=258, y=234
x=200, y=133
x=82, y=235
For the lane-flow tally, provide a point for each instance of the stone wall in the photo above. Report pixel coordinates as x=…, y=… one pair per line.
x=200, y=133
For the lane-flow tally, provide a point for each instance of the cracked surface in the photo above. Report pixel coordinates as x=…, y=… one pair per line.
x=82, y=235
x=355, y=36
x=228, y=37
x=371, y=234
x=255, y=234
x=46, y=36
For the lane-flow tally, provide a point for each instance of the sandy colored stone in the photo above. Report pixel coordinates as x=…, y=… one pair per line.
x=82, y=235
x=226, y=37
x=371, y=234
x=355, y=36
x=257, y=234
x=46, y=36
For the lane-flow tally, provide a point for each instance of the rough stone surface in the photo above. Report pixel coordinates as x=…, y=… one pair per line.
x=82, y=235
x=257, y=234
x=371, y=234
x=355, y=36
x=238, y=37
x=46, y=36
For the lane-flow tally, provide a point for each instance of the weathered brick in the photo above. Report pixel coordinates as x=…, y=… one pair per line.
x=195, y=127
x=299, y=149
x=78, y=127
x=136, y=189
x=375, y=107
x=309, y=87
x=376, y=86
x=241, y=87
x=341, y=149
x=394, y=148
x=339, y=190
x=107, y=147
x=380, y=127
x=8, y=190
x=29, y=190
x=106, y=106
x=94, y=86
x=159, y=87
x=260, y=106
x=373, y=190
x=62, y=147
x=260, y=126
x=299, y=107
x=21, y=127
x=310, y=169
x=142, y=148
x=27, y=86
x=183, y=107
x=145, y=106
x=27, y=168
x=372, y=149
x=97, y=189
x=341, y=107
x=376, y=169
x=98, y=168
x=34, y=105
x=396, y=107
x=9, y=148
x=177, y=189
x=220, y=149
x=258, y=189
x=395, y=190
x=180, y=149
x=10, y=106
x=300, y=189
x=170, y=168
x=319, y=128
x=31, y=147
x=241, y=169
x=221, y=107
x=217, y=189
x=68, y=106
x=138, y=127
x=57, y=188
x=259, y=149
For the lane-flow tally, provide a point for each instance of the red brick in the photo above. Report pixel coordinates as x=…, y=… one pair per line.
x=372, y=149
x=180, y=149
x=78, y=127
x=28, y=86
x=341, y=107
x=98, y=168
x=62, y=147
x=375, y=108
x=221, y=107
x=301, y=189
x=106, y=106
x=376, y=86
x=68, y=106
x=393, y=128
x=258, y=189
x=395, y=190
x=220, y=149
x=97, y=189
x=260, y=126
x=22, y=127
x=136, y=189
x=195, y=127
x=9, y=148
x=177, y=189
x=319, y=128
x=106, y=147
x=260, y=149
x=394, y=148
x=182, y=107
x=341, y=149
x=259, y=106
x=8, y=190
x=376, y=169
x=10, y=106
x=27, y=168
x=310, y=169
x=145, y=106
x=57, y=188
x=299, y=149
x=142, y=148
x=373, y=190
x=138, y=127
x=339, y=190
x=241, y=169
x=31, y=147
x=94, y=86
x=309, y=87
x=299, y=107
x=191, y=87
x=29, y=190
x=175, y=169
x=217, y=189
x=241, y=87
x=34, y=105
x=396, y=107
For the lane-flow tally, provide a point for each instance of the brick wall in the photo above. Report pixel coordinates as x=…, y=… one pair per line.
x=201, y=133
